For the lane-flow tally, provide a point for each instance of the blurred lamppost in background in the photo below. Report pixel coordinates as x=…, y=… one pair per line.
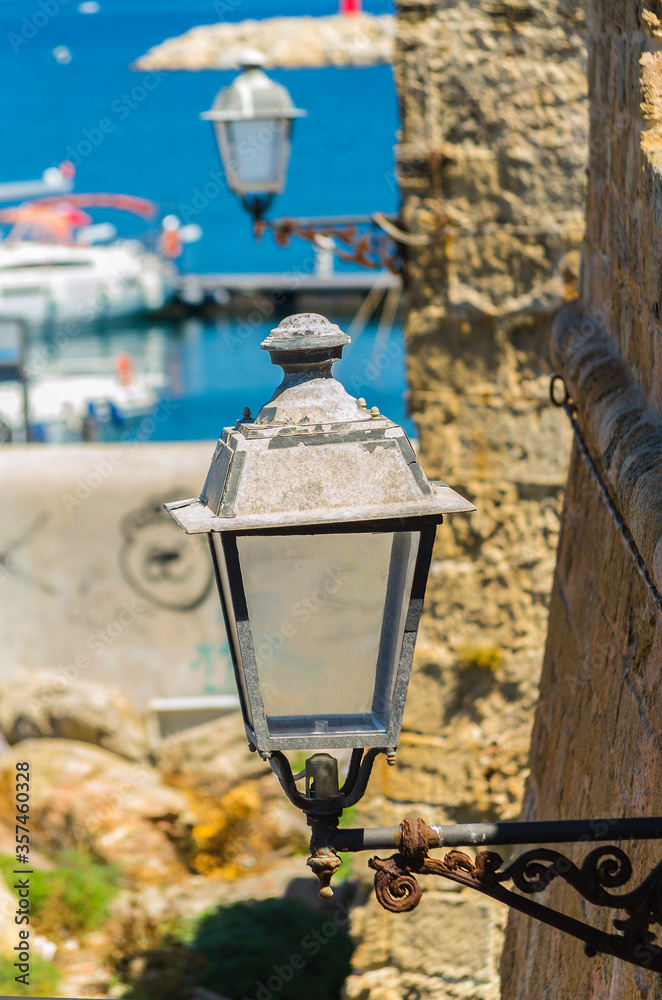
x=252, y=120
x=321, y=524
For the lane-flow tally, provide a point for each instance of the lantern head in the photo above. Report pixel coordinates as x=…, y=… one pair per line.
x=321, y=524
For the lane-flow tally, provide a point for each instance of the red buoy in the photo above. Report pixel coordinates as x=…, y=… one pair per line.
x=350, y=7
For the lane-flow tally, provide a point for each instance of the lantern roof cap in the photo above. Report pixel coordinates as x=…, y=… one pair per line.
x=251, y=95
x=314, y=454
x=305, y=331
x=251, y=59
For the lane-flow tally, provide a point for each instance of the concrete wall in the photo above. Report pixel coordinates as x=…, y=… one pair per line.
x=96, y=580
x=598, y=729
x=493, y=141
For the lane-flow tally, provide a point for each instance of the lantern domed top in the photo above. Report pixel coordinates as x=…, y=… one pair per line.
x=253, y=94
x=313, y=454
x=304, y=332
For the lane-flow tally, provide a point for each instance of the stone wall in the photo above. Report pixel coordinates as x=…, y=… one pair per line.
x=491, y=168
x=598, y=729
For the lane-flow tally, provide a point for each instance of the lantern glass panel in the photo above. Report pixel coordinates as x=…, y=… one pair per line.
x=257, y=152
x=327, y=615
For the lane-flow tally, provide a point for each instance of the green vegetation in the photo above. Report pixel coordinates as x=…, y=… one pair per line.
x=292, y=952
x=70, y=899
x=44, y=978
x=348, y=818
x=298, y=761
x=487, y=658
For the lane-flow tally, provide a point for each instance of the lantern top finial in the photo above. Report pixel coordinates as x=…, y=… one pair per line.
x=251, y=59
x=305, y=331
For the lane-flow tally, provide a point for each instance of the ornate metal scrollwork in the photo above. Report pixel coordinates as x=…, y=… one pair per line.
x=603, y=869
x=358, y=241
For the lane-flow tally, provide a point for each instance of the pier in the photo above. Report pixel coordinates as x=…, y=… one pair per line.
x=340, y=292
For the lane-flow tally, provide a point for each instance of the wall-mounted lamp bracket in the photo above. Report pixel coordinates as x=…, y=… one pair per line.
x=373, y=241
x=397, y=890
x=604, y=868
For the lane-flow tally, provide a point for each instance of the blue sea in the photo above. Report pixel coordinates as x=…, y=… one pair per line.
x=342, y=163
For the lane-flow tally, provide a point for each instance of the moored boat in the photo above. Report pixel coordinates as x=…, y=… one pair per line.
x=56, y=267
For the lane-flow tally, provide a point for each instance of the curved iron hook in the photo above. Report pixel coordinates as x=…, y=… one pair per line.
x=358, y=775
x=280, y=765
x=360, y=784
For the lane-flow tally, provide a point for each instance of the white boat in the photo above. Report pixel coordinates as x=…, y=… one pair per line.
x=53, y=269
x=43, y=283
x=60, y=406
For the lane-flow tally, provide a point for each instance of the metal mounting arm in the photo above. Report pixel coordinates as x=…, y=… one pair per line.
x=604, y=868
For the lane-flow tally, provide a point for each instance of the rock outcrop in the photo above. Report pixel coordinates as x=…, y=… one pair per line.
x=211, y=758
x=83, y=797
x=242, y=816
x=43, y=703
x=289, y=42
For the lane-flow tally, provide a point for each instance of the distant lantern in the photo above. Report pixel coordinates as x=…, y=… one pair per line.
x=252, y=121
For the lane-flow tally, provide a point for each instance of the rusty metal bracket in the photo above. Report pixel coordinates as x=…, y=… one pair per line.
x=604, y=868
x=396, y=887
x=359, y=239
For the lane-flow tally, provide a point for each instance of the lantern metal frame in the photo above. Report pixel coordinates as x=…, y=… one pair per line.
x=235, y=611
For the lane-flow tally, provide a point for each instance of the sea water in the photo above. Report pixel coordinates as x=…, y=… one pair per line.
x=207, y=371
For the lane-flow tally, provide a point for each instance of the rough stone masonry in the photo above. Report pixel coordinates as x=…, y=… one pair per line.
x=598, y=729
x=491, y=167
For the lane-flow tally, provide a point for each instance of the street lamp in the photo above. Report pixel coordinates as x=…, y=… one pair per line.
x=321, y=524
x=252, y=121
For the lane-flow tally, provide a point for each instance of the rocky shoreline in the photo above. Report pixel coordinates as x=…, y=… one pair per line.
x=287, y=42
